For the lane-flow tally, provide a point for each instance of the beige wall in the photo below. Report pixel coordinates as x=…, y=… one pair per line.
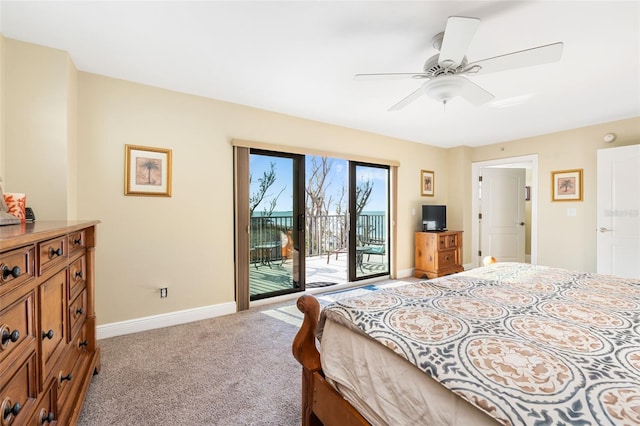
x=74, y=126
x=186, y=242
x=565, y=241
x=2, y=155
x=36, y=89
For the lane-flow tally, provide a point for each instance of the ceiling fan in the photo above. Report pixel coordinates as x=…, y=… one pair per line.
x=445, y=73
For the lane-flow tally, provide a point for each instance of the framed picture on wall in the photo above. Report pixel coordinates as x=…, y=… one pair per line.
x=566, y=185
x=147, y=171
x=427, y=183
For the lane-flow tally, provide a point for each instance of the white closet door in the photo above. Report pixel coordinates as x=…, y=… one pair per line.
x=618, y=217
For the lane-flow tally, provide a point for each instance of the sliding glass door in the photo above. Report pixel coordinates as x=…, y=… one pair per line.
x=297, y=231
x=327, y=213
x=276, y=227
x=369, y=224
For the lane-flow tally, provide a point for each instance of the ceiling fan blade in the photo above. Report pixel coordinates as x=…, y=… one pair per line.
x=407, y=100
x=473, y=93
x=524, y=58
x=457, y=38
x=390, y=76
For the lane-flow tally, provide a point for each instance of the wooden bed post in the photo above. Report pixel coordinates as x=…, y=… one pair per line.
x=306, y=353
x=321, y=403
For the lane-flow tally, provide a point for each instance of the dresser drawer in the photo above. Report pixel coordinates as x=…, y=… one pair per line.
x=51, y=253
x=69, y=378
x=79, y=344
x=45, y=412
x=77, y=242
x=447, y=259
x=20, y=388
x=16, y=268
x=77, y=276
x=77, y=314
x=53, y=320
x=17, y=328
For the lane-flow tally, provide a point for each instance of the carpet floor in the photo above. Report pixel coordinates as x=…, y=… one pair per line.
x=226, y=371
x=231, y=370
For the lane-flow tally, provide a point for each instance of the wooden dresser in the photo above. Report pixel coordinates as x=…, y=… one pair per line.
x=438, y=253
x=48, y=352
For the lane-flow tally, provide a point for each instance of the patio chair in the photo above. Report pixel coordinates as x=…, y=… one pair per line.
x=374, y=247
x=286, y=241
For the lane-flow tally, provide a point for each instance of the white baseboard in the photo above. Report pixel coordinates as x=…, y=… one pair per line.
x=163, y=320
x=405, y=273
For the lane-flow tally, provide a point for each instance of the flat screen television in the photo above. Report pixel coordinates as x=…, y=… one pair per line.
x=434, y=218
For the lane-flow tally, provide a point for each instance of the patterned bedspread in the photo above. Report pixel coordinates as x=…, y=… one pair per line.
x=529, y=345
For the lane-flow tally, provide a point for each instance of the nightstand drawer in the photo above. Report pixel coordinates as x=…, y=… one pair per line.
x=447, y=241
x=447, y=258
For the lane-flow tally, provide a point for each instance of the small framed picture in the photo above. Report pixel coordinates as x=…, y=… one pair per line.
x=147, y=171
x=427, y=183
x=566, y=185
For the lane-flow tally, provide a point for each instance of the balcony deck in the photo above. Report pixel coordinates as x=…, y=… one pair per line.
x=275, y=275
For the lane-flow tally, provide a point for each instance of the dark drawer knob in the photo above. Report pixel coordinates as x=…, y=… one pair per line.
x=10, y=272
x=13, y=336
x=83, y=343
x=47, y=335
x=47, y=418
x=79, y=311
x=77, y=241
x=55, y=252
x=12, y=410
x=63, y=378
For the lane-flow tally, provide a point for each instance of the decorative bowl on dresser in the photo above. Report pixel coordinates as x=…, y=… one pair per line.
x=48, y=352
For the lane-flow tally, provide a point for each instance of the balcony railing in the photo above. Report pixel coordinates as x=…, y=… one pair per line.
x=324, y=234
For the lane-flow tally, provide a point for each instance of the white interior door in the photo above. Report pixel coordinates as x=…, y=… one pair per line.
x=502, y=209
x=619, y=211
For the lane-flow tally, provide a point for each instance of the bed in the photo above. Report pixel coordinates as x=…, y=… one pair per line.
x=507, y=343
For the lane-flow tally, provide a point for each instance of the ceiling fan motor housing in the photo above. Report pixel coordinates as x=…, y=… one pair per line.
x=433, y=69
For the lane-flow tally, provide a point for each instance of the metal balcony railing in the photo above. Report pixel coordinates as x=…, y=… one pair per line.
x=324, y=234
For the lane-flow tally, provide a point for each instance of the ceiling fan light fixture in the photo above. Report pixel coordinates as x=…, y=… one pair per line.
x=442, y=89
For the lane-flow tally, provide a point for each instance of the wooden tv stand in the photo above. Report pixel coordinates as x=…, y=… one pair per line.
x=438, y=253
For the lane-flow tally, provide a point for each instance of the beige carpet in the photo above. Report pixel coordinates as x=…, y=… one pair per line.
x=231, y=370
x=226, y=371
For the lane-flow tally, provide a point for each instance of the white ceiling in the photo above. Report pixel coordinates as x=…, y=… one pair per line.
x=299, y=58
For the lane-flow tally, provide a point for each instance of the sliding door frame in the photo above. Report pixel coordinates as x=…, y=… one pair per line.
x=241, y=206
x=298, y=227
x=353, y=220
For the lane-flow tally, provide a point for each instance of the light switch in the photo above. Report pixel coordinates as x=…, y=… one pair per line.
x=413, y=212
x=571, y=212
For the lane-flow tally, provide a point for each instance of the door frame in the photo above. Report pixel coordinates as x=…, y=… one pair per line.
x=353, y=218
x=525, y=161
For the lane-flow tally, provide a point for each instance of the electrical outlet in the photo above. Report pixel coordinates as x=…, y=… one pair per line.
x=163, y=292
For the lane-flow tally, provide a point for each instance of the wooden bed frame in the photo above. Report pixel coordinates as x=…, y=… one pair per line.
x=321, y=403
